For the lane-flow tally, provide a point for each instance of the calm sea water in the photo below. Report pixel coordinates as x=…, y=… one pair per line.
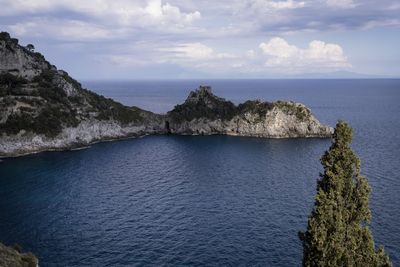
x=204, y=200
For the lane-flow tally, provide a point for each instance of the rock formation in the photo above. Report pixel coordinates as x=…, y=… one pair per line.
x=43, y=108
x=13, y=257
x=205, y=113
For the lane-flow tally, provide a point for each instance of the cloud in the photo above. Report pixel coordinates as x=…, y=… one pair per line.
x=195, y=51
x=202, y=19
x=317, y=56
x=70, y=30
x=381, y=23
x=170, y=13
x=268, y=5
x=214, y=36
x=282, y=17
x=196, y=56
x=274, y=56
x=116, y=15
x=341, y=3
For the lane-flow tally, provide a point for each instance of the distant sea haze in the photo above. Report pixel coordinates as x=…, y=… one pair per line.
x=200, y=200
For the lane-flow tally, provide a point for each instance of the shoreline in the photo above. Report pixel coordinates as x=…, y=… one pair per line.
x=84, y=146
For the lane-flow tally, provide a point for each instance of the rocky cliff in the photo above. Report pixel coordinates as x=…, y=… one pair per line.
x=12, y=257
x=205, y=113
x=43, y=108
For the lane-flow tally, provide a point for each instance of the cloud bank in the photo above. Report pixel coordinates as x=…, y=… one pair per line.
x=317, y=55
x=226, y=36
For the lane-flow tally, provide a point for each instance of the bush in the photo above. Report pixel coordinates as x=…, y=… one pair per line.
x=215, y=108
x=49, y=121
x=301, y=112
x=5, y=36
x=257, y=107
x=10, y=83
x=108, y=109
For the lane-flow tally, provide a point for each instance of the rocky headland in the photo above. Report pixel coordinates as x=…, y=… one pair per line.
x=204, y=113
x=42, y=108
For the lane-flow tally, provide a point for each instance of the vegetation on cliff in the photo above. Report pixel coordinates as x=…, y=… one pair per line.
x=337, y=232
x=14, y=257
x=202, y=103
x=51, y=99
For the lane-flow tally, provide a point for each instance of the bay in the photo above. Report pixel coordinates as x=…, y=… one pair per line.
x=200, y=200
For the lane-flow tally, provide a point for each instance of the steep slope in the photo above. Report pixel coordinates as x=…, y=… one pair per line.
x=205, y=113
x=43, y=108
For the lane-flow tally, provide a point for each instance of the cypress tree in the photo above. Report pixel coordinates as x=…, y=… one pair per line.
x=337, y=232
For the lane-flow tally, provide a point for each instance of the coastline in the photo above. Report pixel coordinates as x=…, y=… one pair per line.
x=83, y=146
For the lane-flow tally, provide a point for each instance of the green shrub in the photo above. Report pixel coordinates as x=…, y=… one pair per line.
x=5, y=36
x=257, y=107
x=208, y=106
x=302, y=113
x=10, y=83
x=49, y=121
x=108, y=109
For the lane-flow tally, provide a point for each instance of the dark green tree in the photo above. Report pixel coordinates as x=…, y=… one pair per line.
x=337, y=232
x=30, y=47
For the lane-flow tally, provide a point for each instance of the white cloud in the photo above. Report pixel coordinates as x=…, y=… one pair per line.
x=193, y=54
x=341, y=3
x=153, y=15
x=269, y=5
x=169, y=13
x=381, y=23
x=190, y=56
x=317, y=56
x=275, y=56
x=193, y=51
x=203, y=19
x=71, y=30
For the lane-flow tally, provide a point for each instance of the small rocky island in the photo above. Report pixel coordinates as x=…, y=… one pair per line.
x=43, y=108
x=204, y=113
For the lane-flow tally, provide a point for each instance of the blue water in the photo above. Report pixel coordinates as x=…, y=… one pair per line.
x=204, y=200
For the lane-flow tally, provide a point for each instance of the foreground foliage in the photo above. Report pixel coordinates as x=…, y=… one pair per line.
x=337, y=232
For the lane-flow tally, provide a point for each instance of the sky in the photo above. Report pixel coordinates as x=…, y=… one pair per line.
x=183, y=39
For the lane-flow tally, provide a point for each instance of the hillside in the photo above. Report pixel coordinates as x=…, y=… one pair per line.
x=37, y=99
x=43, y=108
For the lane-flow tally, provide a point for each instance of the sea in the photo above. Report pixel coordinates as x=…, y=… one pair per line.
x=200, y=200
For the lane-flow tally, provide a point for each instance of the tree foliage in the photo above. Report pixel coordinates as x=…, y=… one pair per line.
x=337, y=232
x=30, y=47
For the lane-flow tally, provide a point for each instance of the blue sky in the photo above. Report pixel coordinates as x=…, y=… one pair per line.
x=129, y=39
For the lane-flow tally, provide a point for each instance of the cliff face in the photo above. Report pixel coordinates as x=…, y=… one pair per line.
x=10, y=257
x=43, y=108
x=205, y=113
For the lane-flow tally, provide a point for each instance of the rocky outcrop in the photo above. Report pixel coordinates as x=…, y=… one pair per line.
x=18, y=60
x=204, y=113
x=13, y=257
x=84, y=134
x=43, y=108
